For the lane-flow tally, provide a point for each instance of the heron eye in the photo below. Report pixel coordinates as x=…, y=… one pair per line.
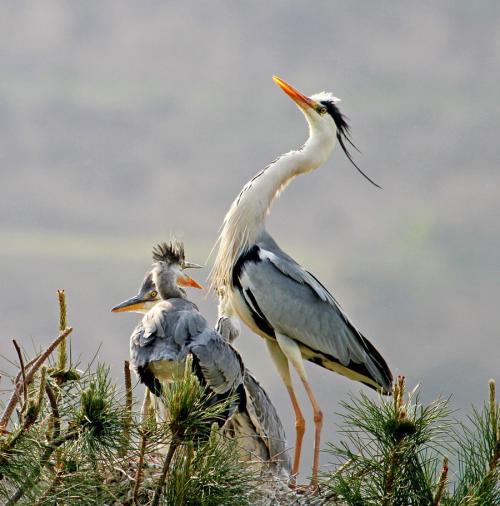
x=323, y=110
x=153, y=294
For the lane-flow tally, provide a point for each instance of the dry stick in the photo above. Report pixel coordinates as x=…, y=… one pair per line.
x=26, y=366
x=23, y=372
x=56, y=419
x=29, y=378
x=128, y=402
x=29, y=420
x=163, y=477
x=144, y=435
x=495, y=429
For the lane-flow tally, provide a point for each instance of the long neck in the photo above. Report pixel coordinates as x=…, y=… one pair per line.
x=246, y=217
x=165, y=281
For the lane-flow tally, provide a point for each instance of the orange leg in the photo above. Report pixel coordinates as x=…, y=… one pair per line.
x=300, y=427
x=318, y=425
x=292, y=352
x=281, y=362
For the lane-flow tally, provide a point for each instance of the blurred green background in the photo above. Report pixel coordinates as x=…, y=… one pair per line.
x=124, y=123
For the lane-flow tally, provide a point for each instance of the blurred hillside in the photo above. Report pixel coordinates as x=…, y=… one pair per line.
x=123, y=123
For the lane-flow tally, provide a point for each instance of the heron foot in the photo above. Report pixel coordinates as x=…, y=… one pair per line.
x=311, y=489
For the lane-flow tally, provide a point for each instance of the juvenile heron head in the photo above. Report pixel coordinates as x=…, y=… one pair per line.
x=169, y=264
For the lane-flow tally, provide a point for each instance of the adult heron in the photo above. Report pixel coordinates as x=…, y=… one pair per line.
x=276, y=297
x=255, y=423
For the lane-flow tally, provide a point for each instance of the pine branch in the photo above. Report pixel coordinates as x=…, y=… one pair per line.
x=62, y=354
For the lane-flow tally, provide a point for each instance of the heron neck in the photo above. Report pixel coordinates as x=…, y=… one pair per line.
x=245, y=220
x=260, y=192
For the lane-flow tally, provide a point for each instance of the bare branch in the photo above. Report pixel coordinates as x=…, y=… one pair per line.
x=4, y=420
x=23, y=372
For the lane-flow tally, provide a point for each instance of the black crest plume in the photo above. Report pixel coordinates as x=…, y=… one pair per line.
x=343, y=134
x=172, y=253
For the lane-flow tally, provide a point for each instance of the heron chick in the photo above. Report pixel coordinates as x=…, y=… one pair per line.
x=173, y=328
x=255, y=424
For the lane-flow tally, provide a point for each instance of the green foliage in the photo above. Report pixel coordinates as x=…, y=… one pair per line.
x=191, y=411
x=210, y=476
x=392, y=454
x=478, y=454
x=79, y=441
x=100, y=417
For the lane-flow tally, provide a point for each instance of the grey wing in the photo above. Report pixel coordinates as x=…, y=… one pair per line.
x=296, y=304
x=165, y=333
x=266, y=421
x=220, y=368
x=217, y=362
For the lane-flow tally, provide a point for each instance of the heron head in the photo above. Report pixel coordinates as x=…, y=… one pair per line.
x=167, y=272
x=323, y=115
x=142, y=302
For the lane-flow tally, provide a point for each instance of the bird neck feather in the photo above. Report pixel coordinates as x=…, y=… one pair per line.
x=245, y=220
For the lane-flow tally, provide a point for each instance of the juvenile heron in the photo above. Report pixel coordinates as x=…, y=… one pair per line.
x=275, y=296
x=173, y=328
x=255, y=424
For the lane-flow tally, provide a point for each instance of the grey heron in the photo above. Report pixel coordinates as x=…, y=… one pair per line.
x=173, y=328
x=275, y=296
x=255, y=424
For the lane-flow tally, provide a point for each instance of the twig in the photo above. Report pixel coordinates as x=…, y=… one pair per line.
x=29, y=378
x=55, y=420
x=493, y=409
x=31, y=416
x=26, y=366
x=144, y=436
x=128, y=403
x=23, y=373
x=163, y=477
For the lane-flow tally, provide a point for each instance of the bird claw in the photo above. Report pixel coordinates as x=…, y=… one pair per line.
x=311, y=489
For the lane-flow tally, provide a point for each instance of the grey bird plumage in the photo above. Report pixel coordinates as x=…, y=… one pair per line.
x=275, y=296
x=284, y=298
x=257, y=426
x=173, y=328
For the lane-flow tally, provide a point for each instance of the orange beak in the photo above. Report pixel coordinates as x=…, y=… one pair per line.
x=301, y=100
x=136, y=303
x=185, y=280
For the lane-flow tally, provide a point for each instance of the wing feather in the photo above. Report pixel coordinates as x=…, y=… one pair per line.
x=296, y=304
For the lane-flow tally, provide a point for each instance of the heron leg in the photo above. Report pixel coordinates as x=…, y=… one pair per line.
x=281, y=362
x=292, y=351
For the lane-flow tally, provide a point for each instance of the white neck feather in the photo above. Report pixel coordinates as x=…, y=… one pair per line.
x=245, y=220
